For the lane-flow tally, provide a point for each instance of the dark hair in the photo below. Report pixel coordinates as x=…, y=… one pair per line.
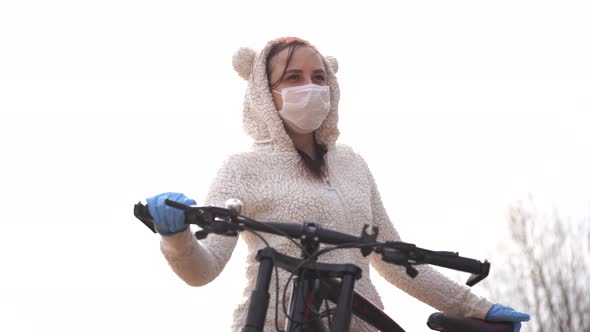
x=314, y=166
x=279, y=45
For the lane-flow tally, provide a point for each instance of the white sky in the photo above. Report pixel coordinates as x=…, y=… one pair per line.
x=460, y=107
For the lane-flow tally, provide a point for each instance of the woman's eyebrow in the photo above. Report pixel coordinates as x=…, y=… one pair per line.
x=294, y=71
x=298, y=71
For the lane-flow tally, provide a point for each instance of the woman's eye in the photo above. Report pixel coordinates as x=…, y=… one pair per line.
x=292, y=77
x=319, y=78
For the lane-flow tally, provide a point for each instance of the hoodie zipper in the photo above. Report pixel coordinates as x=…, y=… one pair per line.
x=332, y=186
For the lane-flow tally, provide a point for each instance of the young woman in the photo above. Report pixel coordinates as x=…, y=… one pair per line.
x=296, y=172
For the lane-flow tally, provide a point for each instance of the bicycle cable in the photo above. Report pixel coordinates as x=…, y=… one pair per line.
x=263, y=224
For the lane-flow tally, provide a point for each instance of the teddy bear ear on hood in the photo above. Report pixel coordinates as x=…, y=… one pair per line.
x=333, y=63
x=243, y=61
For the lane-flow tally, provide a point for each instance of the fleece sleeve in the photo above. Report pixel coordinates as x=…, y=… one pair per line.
x=430, y=286
x=198, y=262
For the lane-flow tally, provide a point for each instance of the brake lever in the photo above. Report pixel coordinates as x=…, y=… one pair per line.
x=475, y=278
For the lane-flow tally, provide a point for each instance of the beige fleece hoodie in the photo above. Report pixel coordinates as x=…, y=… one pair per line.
x=273, y=185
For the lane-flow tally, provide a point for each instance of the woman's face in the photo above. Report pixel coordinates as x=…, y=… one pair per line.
x=305, y=67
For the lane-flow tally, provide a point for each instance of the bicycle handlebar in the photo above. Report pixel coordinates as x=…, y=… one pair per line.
x=228, y=222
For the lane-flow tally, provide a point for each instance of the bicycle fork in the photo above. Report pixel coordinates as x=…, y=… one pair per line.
x=306, y=295
x=260, y=296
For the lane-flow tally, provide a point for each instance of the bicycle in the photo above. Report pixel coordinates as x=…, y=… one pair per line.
x=315, y=283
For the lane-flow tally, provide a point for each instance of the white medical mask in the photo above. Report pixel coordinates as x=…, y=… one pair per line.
x=305, y=107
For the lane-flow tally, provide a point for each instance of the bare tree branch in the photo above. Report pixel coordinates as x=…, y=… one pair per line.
x=548, y=270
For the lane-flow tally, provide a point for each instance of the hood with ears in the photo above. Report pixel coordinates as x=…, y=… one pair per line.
x=260, y=117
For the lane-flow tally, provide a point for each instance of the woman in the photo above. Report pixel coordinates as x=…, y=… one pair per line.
x=296, y=172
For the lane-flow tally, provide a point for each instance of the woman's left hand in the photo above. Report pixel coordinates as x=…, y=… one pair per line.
x=500, y=313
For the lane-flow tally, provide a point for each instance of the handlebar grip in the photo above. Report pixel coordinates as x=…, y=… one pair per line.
x=142, y=213
x=459, y=263
x=440, y=322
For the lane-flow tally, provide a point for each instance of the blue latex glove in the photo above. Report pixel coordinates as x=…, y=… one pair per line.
x=500, y=313
x=168, y=220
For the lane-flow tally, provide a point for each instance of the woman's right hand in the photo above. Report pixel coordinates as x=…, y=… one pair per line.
x=168, y=220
